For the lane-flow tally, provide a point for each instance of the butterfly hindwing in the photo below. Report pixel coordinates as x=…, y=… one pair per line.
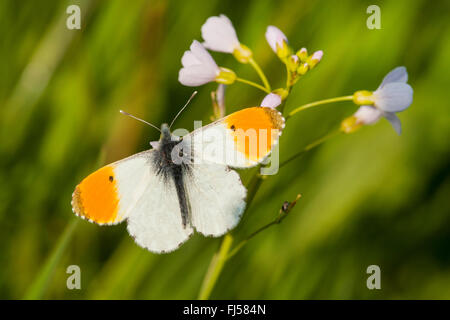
x=155, y=221
x=217, y=198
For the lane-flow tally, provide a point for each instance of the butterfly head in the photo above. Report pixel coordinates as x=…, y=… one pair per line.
x=166, y=136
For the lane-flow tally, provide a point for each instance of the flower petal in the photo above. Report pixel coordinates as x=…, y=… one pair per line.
x=203, y=56
x=189, y=59
x=275, y=36
x=368, y=115
x=272, y=100
x=393, y=97
x=219, y=34
x=395, y=121
x=195, y=76
x=399, y=74
x=317, y=55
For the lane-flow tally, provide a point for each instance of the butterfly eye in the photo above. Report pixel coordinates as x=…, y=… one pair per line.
x=111, y=178
x=233, y=127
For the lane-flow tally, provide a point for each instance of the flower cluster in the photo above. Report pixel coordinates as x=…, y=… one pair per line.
x=198, y=65
x=392, y=96
x=297, y=64
x=219, y=35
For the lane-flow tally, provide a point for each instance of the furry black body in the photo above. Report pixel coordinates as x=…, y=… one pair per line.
x=168, y=165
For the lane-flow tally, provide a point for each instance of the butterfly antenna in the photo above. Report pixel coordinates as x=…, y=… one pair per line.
x=184, y=107
x=148, y=123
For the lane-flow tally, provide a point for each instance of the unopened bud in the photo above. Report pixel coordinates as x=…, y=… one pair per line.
x=292, y=63
x=315, y=58
x=284, y=50
x=243, y=54
x=282, y=92
x=302, y=54
x=303, y=69
x=350, y=124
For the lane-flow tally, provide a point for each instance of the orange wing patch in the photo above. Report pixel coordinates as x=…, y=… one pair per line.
x=96, y=197
x=255, y=130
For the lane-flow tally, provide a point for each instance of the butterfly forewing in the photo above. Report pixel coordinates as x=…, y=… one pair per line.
x=241, y=140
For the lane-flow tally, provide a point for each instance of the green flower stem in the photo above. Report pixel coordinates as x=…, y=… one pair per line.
x=253, y=186
x=281, y=216
x=318, y=103
x=310, y=146
x=288, y=78
x=253, y=84
x=39, y=286
x=219, y=258
x=261, y=74
x=215, y=267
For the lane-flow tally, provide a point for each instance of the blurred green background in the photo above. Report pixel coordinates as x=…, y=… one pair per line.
x=371, y=197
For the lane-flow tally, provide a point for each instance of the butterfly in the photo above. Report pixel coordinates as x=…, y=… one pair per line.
x=183, y=183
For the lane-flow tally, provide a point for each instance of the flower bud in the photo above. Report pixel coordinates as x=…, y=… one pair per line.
x=284, y=51
x=282, y=92
x=225, y=76
x=292, y=63
x=363, y=97
x=272, y=100
x=302, y=54
x=350, y=124
x=242, y=53
x=303, y=69
x=315, y=58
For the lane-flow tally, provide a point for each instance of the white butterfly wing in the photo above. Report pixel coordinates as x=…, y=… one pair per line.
x=154, y=219
x=131, y=189
x=241, y=140
x=217, y=198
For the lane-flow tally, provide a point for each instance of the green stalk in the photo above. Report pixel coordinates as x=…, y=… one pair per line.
x=318, y=103
x=261, y=74
x=253, y=84
x=40, y=285
x=215, y=267
x=219, y=258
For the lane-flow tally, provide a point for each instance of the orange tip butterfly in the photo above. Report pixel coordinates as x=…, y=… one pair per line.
x=181, y=184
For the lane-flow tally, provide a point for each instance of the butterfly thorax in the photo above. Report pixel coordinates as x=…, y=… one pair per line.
x=170, y=170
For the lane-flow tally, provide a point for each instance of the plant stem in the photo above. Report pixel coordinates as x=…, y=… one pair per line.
x=288, y=78
x=219, y=258
x=282, y=214
x=261, y=74
x=318, y=103
x=253, y=186
x=39, y=286
x=309, y=147
x=215, y=267
x=253, y=84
